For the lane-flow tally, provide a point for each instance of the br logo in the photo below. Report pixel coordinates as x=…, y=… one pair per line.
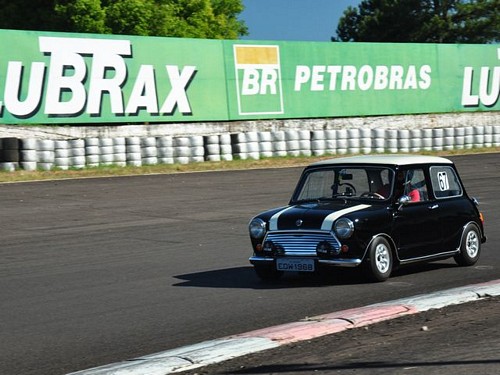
x=258, y=79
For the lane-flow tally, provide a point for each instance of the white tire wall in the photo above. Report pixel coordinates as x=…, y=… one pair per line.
x=46, y=154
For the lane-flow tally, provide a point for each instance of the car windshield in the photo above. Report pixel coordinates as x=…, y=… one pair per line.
x=345, y=182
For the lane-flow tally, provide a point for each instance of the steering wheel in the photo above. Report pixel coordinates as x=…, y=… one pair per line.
x=371, y=194
x=350, y=186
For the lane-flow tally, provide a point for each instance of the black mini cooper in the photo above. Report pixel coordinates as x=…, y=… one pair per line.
x=378, y=212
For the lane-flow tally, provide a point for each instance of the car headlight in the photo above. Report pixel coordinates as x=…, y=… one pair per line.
x=344, y=228
x=257, y=228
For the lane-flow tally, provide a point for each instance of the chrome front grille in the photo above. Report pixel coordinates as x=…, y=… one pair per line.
x=300, y=243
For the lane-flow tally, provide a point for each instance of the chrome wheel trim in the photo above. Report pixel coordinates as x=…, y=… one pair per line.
x=382, y=258
x=472, y=244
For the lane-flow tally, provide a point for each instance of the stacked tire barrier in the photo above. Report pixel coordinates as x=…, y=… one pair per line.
x=9, y=153
x=45, y=154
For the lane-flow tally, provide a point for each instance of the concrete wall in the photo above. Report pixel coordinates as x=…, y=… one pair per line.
x=186, y=129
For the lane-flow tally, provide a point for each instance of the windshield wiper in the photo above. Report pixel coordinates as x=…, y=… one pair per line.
x=344, y=195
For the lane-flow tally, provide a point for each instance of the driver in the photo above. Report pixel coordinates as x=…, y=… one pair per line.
x=408, y=183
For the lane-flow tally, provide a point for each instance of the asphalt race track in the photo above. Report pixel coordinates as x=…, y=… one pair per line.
x=95, y=271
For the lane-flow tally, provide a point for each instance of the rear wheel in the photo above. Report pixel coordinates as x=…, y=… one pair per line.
x=470, y=248
x=379, y=263
x=267, y=273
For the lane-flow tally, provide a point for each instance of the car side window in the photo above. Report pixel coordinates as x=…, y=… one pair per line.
x=445, y=182
x=412, y=183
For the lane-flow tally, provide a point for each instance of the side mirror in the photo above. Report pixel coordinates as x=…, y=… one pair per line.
x=403, y=201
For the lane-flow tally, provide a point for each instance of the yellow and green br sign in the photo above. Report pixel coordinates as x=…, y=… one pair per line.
x=81, y=78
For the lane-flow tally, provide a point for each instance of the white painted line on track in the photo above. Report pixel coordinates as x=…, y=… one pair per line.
x=214, y=351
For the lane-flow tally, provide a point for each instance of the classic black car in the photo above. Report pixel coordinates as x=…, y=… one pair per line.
x=378, y=212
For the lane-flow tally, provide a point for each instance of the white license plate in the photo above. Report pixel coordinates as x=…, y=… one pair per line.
x=298, y=265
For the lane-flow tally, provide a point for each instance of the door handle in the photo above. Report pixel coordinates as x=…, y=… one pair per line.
x=434, y=206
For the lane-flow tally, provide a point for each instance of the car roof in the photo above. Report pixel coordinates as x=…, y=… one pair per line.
x=389, y=159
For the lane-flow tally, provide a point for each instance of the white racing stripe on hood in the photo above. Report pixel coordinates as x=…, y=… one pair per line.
x=273, y=222
x=328, y=222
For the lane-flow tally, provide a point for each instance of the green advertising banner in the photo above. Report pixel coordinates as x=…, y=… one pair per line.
x=304, y=80
x=83, y=78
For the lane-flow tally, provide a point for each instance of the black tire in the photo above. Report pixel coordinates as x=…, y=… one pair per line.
x=470, y=248
x=267, y=273
x=9, y=155
x=10, y=143
x=379, y=262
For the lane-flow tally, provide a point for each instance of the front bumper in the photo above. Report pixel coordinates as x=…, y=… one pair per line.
x=255, y=260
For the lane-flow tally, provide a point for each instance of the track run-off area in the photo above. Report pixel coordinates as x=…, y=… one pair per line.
x=97, y=271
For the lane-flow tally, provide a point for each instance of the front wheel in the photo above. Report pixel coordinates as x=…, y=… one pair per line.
x=380, y=261
x=267, y=273
x=470, y=248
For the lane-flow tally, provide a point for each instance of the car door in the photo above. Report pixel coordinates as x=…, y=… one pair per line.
x=416, y=229
x=453, y=209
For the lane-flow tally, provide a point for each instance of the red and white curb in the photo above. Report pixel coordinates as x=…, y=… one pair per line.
x=214, y=351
